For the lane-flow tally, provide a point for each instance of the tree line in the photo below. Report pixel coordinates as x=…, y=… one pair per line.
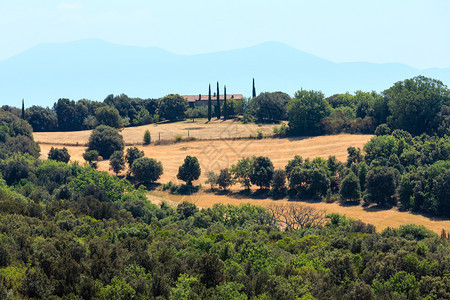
x=417, y=105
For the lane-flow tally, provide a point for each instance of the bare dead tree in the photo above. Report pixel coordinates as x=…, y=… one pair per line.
x=293, y=216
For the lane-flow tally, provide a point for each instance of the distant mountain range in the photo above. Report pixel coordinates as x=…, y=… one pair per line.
x=93, y=69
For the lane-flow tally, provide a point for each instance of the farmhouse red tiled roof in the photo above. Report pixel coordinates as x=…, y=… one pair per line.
x=193, y=98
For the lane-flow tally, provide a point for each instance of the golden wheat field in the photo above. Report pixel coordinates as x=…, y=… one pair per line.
x=217, y=154
x=200, y=129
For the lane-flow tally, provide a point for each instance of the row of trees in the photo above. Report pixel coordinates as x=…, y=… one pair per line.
x=418, y=105
x=396, y=169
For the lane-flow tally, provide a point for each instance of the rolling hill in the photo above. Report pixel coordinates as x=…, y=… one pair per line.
x=93, y=69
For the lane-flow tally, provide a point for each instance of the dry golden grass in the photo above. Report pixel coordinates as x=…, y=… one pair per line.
x=201, y=129
x=214, y=155
x=379, y=218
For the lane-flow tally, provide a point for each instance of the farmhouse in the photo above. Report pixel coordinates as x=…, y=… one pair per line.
x=202, y=100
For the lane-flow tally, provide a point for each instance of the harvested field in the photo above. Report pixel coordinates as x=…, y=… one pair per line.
x=381, y=218
x=200, y=129
x=216, y=155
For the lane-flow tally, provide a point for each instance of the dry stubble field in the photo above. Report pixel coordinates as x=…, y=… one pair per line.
x=217, y=154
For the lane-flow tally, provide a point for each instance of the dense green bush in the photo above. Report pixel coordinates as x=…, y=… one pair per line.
x=105, y=140
x=146, y=169
x=58, y=154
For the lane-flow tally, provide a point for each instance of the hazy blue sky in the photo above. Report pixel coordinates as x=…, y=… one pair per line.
x=414, y=32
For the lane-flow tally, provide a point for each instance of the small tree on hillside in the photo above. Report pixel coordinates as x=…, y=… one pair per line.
x=109, y=116
x=212, y=179
x=381, y=185
x=242, y=171
x=278, y=183
x=189, y=170
x=350, y=189
x=146, y=169
x=105, y=140
x=172, y=107
x=262, y=172
x=224, y=180
x=59, y=154
x=117, y=162
x=147, y=137
x=133, y=153
x=91, y=157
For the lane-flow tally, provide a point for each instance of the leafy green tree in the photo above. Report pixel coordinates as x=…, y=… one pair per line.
x=192, y=113
x=133, y=153
x=185, y=288
x=242, y=170
x=210, y=268
x=117, y=162
x=297, y=161
x=172, y=107
x=224, y=180
x=382, y=129
x=414, y=104
x=342, y=100
x=146, y=169
x=108, y=116
x=278, y=183
x=186, y=209
x=212, y=179
x=306, y=111
x=147, y=137
x=15, y=170
x=262, y=172
x=91, y=156
x=319, y=182
x=189, y=170
x=381, y=185
x=380, y=148
x=59, y=154
x=350, y=189
x=270, y=106
x=41, y=119
x=105, y=140
x=70, y=114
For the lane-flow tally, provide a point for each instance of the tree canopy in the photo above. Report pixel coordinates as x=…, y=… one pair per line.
x=106, y=140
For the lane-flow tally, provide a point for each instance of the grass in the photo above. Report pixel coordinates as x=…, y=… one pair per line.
x=221, y=144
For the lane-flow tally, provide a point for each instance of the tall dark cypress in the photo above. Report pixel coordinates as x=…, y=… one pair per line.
x=218, y=103
x=225, y=108
x=209, y=104
x=254, y=90
x=23, y=110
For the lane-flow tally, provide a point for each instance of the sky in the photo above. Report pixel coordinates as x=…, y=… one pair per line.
x=413, y=32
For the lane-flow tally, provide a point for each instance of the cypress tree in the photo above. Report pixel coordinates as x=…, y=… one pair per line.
x=218, y=103
x=225, y=108
x=23, y=110
x=254, y=90
x=209, y=104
